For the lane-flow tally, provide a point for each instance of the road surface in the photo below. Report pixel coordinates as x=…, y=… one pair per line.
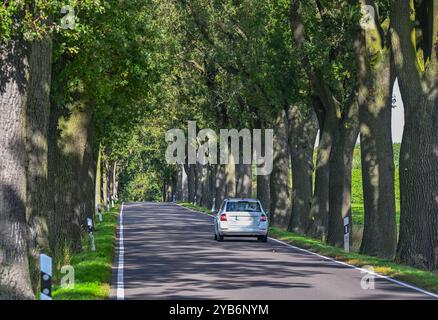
x=168, y=252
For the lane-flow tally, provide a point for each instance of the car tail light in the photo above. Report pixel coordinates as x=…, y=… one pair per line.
x=263, y=218
x=223, y=217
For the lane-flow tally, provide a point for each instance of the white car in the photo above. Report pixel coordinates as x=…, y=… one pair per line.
x=241, y=218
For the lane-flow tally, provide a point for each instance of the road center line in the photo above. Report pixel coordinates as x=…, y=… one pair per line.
x=120, y=283
x=390, y=279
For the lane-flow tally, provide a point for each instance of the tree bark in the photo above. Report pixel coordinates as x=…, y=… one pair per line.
x=98, y=175
x=190, y=169
x=319, y=209
x=263, y=191
x=184, y=184
x=244, y=180
x=280, y=176
x=341, y=159
x=230, y=173
x=111, y=178
x=207, y=191
x=199, y=182
x=88, y=171
x=346, y=131
x=68, y=158
x=221, y=186
x=418, y=79
x=263, y=181
x=376, y=81
x=15, y=282
x=212, y=186
x=37, y=123
x=179, y=183
x=104, y=176
x=303, y=128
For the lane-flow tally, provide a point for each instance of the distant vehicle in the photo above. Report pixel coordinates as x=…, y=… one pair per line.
x=241, y=218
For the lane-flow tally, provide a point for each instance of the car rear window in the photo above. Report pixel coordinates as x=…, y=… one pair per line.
x=243, y=206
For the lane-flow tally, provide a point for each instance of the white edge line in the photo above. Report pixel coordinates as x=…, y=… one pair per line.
x=340, y=262
x=120, y=276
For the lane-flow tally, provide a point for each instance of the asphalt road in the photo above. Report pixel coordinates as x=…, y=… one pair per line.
x=169, y=253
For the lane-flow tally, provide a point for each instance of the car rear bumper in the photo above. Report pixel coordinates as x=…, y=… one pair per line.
x=243, y=232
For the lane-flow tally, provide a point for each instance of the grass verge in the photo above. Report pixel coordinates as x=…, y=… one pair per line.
x=194, y=207
x=92, y=268
x=418, y=277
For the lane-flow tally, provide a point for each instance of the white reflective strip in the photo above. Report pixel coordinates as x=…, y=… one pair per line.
x=44, y=297
x=46, y=264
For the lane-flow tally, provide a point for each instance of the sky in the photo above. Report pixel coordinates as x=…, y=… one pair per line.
x=398, y=118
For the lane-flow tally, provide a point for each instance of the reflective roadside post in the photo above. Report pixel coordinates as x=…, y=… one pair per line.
x=46, y=277
x=346, y=234
x=91, y=230
x=99, y=212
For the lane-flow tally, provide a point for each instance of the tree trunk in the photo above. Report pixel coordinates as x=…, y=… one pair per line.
x=98, y=175
x=375, y=93
x=88, y=171
x=207, y=191
x=15, y=282
x=280, y=176
x=230, y=173
x=68, y=156
x=105, y=172
x=115, y=190
x=111, y=179
x=164, y=192
x=184, y=184
x=418, y=245
x=199, y=182
x=338, y=133
x=263, y=181
x=221, y=185
x=212, y=186
x=418, y=241
x=341, y=159
x=37, y=123
x=190, y=169
x=319, y=209
x=303, y=128
x=244, y=180
x=179, y=183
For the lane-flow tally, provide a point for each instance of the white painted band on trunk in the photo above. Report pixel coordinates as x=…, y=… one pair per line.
x=120, y=283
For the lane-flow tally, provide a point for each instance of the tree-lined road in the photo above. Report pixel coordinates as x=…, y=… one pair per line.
x=169, y=253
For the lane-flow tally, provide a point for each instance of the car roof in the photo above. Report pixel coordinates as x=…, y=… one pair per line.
x=241, y=199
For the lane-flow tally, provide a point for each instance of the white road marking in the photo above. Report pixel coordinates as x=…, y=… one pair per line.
x=360, y=269
x=120, y=283
x=431, y=294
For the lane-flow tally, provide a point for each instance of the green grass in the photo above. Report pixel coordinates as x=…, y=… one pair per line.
x=421, y=278
x=92, y=269
x=357, y=190
x=194, y=207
